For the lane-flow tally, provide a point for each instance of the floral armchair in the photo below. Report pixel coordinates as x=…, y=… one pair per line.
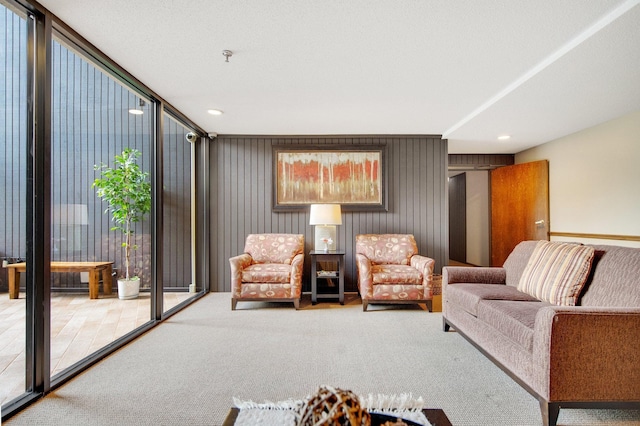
x=390, y=270
x=270, y=269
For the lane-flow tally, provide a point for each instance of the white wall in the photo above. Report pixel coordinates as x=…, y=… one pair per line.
x=594, y=180
x=478, y=219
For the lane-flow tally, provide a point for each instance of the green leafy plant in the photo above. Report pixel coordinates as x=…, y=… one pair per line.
x=127, y=190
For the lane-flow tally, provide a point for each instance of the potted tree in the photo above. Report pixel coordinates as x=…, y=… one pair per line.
x=127, y=190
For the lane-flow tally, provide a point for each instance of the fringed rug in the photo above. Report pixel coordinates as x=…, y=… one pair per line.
x=331, y=406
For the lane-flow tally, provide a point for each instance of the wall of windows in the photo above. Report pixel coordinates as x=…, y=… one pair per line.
x=93, y=118
x=88, y=111
x=178, y=269
x=13, y=190
x=91, y=123
x=13, y=116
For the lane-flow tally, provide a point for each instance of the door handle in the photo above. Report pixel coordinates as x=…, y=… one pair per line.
x=539, y=223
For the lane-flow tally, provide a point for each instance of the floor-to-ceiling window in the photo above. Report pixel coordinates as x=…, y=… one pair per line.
x=13, y=157
x=94, y=117
x=65, y=110
x=178, y=269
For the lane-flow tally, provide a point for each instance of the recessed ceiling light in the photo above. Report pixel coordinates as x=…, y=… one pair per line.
x=138, y=111
x=214, y=112
x=504, y=137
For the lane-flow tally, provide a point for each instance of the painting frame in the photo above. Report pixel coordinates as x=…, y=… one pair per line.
x=354, y=176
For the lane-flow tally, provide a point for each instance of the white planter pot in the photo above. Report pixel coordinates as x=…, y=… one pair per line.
x=128, y=289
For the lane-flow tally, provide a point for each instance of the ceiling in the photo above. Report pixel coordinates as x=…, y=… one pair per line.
x=470, y=70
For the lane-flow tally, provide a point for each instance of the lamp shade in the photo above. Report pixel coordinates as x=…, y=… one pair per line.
x=70, y=214
x=325, y=214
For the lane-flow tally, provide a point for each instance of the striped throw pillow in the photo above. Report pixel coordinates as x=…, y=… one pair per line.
x=556, y=272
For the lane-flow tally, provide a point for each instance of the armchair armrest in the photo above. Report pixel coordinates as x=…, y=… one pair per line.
x=480, y=275
x=238, y=263
x=365, y=277
x=588, y=353
x=425, y=265
x=297, y=265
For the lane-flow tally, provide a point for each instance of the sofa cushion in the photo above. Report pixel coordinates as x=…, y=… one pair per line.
x=614, y=278
x=556, y=272
x=467, y=296
x=267, y=273
x=514, y=319
x=396, y=274
x=517, y=261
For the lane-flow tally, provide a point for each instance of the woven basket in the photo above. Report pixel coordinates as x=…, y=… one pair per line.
x=333, y=406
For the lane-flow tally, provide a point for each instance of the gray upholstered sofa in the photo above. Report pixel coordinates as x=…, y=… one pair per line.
x=584, y=356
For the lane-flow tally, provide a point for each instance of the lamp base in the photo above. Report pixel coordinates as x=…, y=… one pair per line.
x=325, y=232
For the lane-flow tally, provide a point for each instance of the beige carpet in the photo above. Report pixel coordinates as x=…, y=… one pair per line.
x=187, y=371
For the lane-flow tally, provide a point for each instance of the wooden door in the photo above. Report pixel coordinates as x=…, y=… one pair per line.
x=458, y=218
x=519, y=207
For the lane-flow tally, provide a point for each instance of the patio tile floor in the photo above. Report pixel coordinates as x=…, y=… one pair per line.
x=79, y=327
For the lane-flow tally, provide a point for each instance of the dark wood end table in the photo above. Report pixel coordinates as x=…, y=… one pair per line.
x=331, y=256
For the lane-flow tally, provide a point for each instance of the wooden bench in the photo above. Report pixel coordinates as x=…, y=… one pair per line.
x=93, y=268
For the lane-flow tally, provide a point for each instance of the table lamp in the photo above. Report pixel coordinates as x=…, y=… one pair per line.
x=70, y=218
x=325, y=217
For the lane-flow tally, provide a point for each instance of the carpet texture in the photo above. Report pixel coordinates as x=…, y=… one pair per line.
x=188, y=370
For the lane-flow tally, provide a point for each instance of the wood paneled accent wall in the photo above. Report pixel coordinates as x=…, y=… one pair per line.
x=416, y=169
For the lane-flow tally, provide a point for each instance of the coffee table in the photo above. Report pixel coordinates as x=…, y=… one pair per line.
x=436, y=417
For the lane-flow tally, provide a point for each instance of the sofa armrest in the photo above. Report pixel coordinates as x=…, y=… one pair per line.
x=365, y=277
x=297, y=265
x=480, y=275
x=588, y=353
x=425, y=265
x=238, y=263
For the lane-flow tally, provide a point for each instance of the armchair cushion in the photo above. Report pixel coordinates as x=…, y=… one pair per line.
x=267, y=273
x=274, y=248
x=396, y=274
x=387, y=248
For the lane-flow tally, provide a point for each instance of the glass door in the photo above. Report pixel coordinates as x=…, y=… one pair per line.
x=13, y=184
x=99, y=126
x=178, y=197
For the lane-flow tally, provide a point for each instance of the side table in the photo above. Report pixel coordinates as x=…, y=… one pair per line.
x=332, y=256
